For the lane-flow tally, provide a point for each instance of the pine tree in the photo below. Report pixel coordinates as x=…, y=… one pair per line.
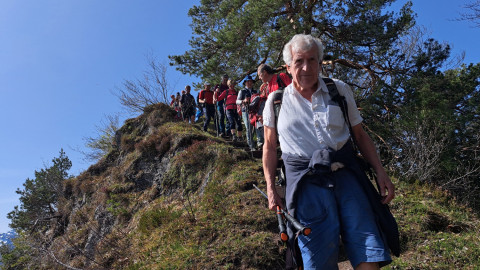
x=39, y=196
x=235, y=36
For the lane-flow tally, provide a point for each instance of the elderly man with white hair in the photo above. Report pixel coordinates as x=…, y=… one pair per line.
x=312, y=130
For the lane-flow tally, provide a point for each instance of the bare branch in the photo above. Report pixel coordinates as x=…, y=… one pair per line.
x=151, y=89
x=474, y=13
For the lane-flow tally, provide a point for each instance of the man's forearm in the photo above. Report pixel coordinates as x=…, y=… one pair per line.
x=269, y=159
x=269, y=165
x=367, y=148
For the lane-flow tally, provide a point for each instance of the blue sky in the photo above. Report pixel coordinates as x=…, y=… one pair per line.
x=60, y=60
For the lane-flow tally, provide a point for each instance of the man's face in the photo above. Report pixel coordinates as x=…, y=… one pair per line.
x=262, y=76
x=249, y=84
x=207, y=86
x=187, y=89
x=304, y=68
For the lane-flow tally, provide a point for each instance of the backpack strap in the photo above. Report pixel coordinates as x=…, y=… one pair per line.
x=277, y=99
x=277, y=104
x=281, y=84
x=342, y=103
x=335, y=96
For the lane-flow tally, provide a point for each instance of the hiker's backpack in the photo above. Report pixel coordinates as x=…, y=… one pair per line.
x=255, y=99
x=199, y=105
x=387, y=222
x=255, y=109
x=277, y=99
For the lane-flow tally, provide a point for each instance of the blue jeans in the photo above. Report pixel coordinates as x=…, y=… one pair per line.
x=330, y=212
x=234, y=120
x=209, y=112
x=228, y=125
x=248, y=129
x=220, y=121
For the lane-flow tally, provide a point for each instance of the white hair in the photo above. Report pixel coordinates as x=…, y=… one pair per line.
x=301, y=42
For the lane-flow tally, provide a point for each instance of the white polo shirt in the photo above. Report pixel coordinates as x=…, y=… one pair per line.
x=305, y=126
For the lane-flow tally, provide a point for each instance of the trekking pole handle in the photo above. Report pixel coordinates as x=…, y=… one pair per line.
x=297, y=225
x=281, y=225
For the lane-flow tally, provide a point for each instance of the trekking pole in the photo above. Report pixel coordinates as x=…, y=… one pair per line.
x=280, y=217
x=217, y=127
x=281, y=225
x=297, y=225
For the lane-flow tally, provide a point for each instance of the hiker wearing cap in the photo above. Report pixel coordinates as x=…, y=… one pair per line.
x=188, y=105
x=267, y=75
x=243, y=100
x=230, y=95
x=314, y=135
x=205, y=97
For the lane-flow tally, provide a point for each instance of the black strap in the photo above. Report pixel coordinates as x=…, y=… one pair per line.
x=293, y=255
x=277, y=105
x=342, y=103
x=281, y=84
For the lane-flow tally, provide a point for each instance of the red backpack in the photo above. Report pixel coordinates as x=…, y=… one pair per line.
x=255, y=109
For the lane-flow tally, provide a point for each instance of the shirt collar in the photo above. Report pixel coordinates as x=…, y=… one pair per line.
x=321, y=85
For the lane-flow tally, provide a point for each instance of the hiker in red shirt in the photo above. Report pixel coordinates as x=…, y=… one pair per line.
x=205, y=97
x=268, y=76
x=222, y=129
x=231, y=106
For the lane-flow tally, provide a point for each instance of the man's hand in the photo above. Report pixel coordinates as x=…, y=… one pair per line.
x=260, y=119
x=387, y=188
x=274, y=200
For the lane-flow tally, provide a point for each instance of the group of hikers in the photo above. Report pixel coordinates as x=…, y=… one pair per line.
x=232, y=111
x=318, y=127
x=184, y=105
